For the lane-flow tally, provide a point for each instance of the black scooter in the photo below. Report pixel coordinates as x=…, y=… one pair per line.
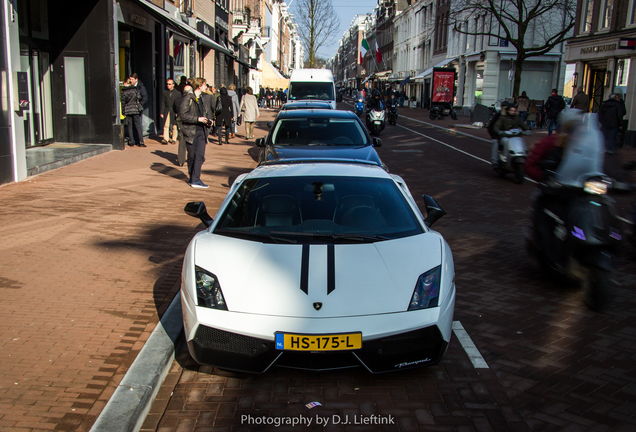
x=392, y=111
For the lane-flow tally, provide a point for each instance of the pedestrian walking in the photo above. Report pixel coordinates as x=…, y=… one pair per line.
x=553, y=106
x=523, y=104
x=210, y=96
x=225, y=116
x=181, y=151
x=249, y=109
x=611, y=117
x=196, y=122
x=231, y=92
x=261, y=96
x=167, y=113
x=581, y=101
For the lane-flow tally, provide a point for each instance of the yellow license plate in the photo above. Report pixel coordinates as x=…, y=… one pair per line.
x=303, y=342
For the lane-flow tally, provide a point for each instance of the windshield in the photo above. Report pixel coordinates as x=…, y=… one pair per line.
x=318, y=131
x=318, y=209
x=311, y=90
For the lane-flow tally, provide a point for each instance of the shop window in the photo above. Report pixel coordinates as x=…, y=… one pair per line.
x=606, y=14
x=631, y=13
x=622, y=74
x=586, y=16
x=75, y=83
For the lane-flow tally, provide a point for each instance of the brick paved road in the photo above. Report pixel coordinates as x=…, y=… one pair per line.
x=90, y=257
x=554, y=364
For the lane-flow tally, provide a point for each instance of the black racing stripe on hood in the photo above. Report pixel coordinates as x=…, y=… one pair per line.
x=331, y=268
x=304, y=270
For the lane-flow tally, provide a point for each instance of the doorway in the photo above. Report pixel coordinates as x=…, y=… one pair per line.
x=596, y=88
x=38, y=116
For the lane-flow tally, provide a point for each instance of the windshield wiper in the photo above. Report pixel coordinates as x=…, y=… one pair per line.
x=356, y=237
x=254, y=234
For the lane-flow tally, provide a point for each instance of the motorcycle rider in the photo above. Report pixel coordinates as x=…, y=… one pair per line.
x=374, y=102
x=509, y=119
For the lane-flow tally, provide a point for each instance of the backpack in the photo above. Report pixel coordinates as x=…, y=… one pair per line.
x=491, y=125
x=218, y=108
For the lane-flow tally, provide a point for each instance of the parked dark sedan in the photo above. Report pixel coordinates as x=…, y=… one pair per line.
x=319, y=134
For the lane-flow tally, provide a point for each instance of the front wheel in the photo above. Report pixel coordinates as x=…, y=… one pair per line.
x=518, y=173
x=453, y=115
x=432, y=115
x=596, y=288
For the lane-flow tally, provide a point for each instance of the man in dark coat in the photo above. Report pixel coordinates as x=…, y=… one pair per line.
x=196, y=123
x=581, y=100
x=611, y=117
x=225, y=117
x=168, y=114
x=181, y=153
x=553, y=106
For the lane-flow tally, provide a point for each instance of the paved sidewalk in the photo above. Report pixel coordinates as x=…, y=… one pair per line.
x=90, y=259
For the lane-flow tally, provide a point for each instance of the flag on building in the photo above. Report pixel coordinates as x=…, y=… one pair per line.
x=378, y=54
x=364, y=47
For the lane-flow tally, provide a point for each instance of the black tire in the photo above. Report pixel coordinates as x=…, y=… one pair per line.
x=432, y=116
x=518, y=173
x=453, y=115
x=596, y=288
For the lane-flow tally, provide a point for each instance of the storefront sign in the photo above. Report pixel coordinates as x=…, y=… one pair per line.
x=222, y=24
x=443, y=84
x=599, y=48
x=139, y=20
x=205, y=28
x=627, y=43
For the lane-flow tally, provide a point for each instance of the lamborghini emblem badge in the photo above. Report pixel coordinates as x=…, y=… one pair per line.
x=317, y=306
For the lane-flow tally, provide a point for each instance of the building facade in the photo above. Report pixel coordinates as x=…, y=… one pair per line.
x=603, y=50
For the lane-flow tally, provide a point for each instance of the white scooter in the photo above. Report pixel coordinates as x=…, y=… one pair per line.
x=375, y=121
x=512, y=154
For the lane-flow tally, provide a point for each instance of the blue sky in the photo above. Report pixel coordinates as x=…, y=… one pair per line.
x=346, y=9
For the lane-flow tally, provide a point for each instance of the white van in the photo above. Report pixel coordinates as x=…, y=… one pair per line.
x=312, y=84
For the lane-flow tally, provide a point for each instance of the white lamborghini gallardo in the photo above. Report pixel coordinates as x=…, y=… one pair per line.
x=318, y=265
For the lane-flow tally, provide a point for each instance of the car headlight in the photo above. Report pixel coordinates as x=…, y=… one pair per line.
x=426, y=293
x=209, y=290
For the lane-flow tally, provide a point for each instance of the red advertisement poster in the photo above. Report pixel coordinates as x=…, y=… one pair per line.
x=443, y=83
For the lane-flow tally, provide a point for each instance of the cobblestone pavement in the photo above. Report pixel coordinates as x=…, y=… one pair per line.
x=90, y=258
x=553, y=364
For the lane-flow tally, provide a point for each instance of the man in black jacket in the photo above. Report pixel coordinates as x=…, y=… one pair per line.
x=553, y=106
x=196, y=125
x=611, y=117
x=181, y=152
x=168, y=114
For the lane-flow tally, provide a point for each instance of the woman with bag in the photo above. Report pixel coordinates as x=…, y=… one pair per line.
x=225, y=116
x=132, y=109
x=250, y=112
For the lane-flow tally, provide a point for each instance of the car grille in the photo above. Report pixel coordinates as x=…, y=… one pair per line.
x=220, y=340
x=404, y=343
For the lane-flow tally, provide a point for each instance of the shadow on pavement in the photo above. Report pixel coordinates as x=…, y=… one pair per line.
x=170, y=157
x=169, y=171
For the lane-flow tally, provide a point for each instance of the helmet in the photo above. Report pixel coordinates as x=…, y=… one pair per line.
x=376, y=93
x=507, y=104
x=569, y=119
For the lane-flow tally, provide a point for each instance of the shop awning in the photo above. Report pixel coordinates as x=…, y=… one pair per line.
x=383, y=75
x=368, y=78
x=163, y=15
x=406, y=81
x=428, y=72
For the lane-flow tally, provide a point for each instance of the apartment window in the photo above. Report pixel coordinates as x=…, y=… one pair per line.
x=586, y=16
x=622, y=74
x=606, y=14
x=631, y=13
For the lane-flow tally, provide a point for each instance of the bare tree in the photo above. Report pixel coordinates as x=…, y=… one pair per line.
x=318, y=24
x=532, y=27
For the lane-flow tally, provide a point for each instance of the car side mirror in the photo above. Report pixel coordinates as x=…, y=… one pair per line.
x=260, y=142
x=434, y=211
x=377, y=142
x=197, y=209
x=270, y=124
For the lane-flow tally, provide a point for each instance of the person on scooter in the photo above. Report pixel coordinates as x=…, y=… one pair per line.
x=508, y=119
x=374, y=102
x=546, y=154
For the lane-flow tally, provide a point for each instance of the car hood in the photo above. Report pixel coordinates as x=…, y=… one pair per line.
x=367, y=278
x=367, y=152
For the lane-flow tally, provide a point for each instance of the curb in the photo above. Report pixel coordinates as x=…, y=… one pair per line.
x=127, y=408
